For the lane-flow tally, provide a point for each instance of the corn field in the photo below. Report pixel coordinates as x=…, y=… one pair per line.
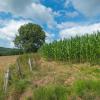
x=84, y=48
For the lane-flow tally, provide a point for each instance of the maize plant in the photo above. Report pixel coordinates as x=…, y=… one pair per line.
x=81, y=49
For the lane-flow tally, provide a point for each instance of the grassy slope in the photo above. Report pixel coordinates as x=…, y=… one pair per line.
x=63, y=74
x=50, y=72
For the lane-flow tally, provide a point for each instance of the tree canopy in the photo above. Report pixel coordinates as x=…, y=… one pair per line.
x=30, y=37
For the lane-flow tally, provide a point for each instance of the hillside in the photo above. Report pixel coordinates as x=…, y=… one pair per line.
x=8, y=51
x=48, y=78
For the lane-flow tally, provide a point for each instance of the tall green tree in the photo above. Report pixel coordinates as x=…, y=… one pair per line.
x=30, y=37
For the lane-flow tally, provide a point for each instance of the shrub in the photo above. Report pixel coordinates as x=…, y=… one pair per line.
x=1, y=87
x=20, y=85
x=17, y=88
x=53, y=92
x=87, y=89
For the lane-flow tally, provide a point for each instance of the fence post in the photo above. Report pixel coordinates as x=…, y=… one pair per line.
x=19, y=69
x=6, y=80
x=30, y=64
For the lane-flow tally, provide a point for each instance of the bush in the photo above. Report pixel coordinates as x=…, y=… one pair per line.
x=17, y=88
x=87, y=89
x=1, y=87
x=21, y=85
x=1, y=94
x=53, y=92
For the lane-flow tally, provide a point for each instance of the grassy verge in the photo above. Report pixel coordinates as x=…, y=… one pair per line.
x=51, y=92
x=80, y=90
x=53, y=80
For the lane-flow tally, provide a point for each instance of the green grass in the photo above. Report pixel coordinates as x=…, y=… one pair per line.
x=81, y=89
x=53, y=80
x=51, y=92
x=1, y=87
x=86, y=89
x=21, y=85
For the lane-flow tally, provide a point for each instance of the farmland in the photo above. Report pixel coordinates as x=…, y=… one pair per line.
x=63, y=70
x=50, y=50
x=5, y=61
x=79, y=49
x=72, y=80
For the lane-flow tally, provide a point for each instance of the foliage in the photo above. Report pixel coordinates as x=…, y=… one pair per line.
x=30, y=37
x=87, y=89
x=9, y=51
x=78, y=49
x=52, y=92
x=1, y=87
x=17, y=88
x=20, y=85
x=59, y=82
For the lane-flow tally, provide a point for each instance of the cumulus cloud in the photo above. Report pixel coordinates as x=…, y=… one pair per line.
x=67, y=25
x=89, y=8
x=67, y=3
x=43, y=14
x=66, y=14
x=72, y=14
x=29, y=9
x=10, y=29
x=79, y=30
x=14, y=5
x=49, y=37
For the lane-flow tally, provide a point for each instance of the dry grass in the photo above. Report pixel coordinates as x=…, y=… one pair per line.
x=51, y=72
x=67, y=73
x=5, y=61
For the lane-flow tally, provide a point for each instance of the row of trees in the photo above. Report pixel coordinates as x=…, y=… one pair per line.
x=78, y=49
x=9, y=51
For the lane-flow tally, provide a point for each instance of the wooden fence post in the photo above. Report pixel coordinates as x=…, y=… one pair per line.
x=30, y=64
x=6, y=80
x=19, y=69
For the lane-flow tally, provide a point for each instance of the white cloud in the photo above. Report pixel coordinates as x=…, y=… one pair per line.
x=79, y=30
x=89, y=8
x=29, y=9
x=72, y=14
x=68, y=14
x=10, y=29
x=14, y=5
x=65, y=25
x=43, y=14
x=49, y=37
x=67, y=3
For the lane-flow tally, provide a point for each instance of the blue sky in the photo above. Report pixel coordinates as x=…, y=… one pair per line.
x=59, y=18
